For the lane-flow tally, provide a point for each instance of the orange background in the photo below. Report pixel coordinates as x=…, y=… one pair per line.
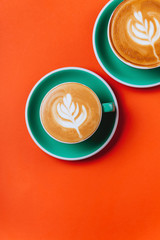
x=114, y=195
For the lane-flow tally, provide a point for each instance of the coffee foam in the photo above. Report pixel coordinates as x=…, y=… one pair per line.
x=70, y=112
x=135, y=32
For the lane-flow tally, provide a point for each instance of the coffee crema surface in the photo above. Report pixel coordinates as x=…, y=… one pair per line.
x=134, y=32
x=70, y=112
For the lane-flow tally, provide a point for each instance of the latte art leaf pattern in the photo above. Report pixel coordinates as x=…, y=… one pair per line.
x=68, y=114
x=144, y=32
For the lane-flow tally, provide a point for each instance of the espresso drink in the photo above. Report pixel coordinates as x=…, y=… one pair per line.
x=70, y=112
x=134, y=32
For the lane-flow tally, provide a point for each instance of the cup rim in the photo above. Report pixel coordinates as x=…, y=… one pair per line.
x=64, y=141
x=90, y=154
x=116, y=54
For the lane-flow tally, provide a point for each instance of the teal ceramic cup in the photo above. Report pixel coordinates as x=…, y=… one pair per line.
x=91, y=146
x=47, y=107
x=111, y=64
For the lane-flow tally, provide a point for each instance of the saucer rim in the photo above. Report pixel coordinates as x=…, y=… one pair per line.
x=99, y=60
x=103, y=145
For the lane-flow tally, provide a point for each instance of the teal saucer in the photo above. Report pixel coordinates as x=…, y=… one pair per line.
x=76, y=151
x=140, y=78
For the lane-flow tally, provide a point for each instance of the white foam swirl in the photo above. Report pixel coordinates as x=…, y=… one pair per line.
x=144, y=32
x=68, y=112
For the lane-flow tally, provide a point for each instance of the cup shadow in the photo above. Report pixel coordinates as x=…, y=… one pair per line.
x=118, y=132
x=114, y=140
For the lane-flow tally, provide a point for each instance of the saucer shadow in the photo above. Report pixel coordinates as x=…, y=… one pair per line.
x=118, y=132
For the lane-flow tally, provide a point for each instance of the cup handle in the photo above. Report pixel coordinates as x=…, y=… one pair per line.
x=108, y=107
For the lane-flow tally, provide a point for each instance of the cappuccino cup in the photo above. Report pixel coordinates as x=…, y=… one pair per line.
x=71, y=112
x=134, y=33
